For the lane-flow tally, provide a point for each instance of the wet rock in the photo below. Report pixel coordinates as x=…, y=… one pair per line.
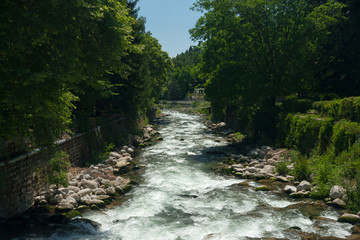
x=338, y=203
x=355, y=229
x=89, y=184
x=300, y=194
x=304, y=186
x=349, y=218
x=64, y=207
x=97, y=202
x=262, y=188
x=83, y=223
x=337, y=192
x=282, y=179
x=110, y=191
x=289, y=189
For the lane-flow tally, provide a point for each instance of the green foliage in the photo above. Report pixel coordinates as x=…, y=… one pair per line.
x=344, y=135
x=346, y=108
x=99, y=156
x=353, y=195
x=239, y=136
x=301, y=169
x=59, y=165
x=184, y=77
x=304, y=132
x=281, y=168
x=294, y=105
x=255, y=51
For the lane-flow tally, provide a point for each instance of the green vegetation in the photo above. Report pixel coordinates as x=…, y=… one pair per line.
x=58, y=169
x=185, y=76
x=346, y=108
x=281, y=168
x=66, y=63
x=99, y=156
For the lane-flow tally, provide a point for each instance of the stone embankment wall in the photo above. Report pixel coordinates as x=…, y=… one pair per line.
x=21, y=178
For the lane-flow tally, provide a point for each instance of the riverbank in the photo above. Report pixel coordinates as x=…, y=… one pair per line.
x=91, y=188
x=270, y=167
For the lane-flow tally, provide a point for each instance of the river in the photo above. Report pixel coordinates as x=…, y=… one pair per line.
x=180, y=197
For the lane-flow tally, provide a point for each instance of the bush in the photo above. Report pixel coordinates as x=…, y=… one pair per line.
x=59, y=166
x=346, y=108
x=281, y=168
x=353, y=195
x=304, y=132
x=301, y=167
x=344, y=135
x=294, y=105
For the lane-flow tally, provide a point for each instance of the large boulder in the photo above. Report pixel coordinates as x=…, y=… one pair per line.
x=349, y=218
x=289, y=189
x=304, y=186
x=89, y=184
x=99, y=191
x=337, y=192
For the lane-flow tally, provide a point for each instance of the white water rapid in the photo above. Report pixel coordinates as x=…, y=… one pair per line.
x=181, y=198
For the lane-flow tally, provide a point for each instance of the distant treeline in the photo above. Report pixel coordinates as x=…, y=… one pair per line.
x=63, y=62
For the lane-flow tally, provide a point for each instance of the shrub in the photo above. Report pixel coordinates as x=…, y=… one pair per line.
x=353, y=195
x=99, y=156
x=59, y=165
x=301, y=167
x=347, y=108
x=281, y=168
x=294, y=105
x=344, y=135
x=304, y=132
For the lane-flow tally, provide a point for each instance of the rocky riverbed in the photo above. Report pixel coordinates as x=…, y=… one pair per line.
x=180, y=197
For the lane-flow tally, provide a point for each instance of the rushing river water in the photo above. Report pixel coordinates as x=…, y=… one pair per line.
x=181, y=198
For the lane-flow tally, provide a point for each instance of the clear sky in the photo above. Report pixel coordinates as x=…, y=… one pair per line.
x=169, y=21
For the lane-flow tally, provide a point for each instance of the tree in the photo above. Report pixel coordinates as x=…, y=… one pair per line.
x=258, y=50
x=48, y=52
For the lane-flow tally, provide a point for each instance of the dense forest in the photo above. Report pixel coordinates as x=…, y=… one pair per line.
x=185, y=76
x=64, y=62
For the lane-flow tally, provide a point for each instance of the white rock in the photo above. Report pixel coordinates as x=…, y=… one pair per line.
x=73, y=188
x=99, y=191
x=289, y=189
x=72, y=201
x=130, y=150
x=110, y=191
x=89, y=184
x=337, y=192
x=304, y=185
x=75, y=196
x=64, y=206
x=84, y=192
x=251, y=169
x=115, y=155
